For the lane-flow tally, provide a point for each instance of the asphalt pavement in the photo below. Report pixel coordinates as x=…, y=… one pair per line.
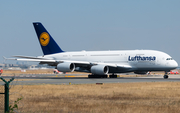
x=61, y=79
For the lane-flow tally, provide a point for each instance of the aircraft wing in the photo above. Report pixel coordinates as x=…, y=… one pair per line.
x=114, y=65
x=55, y=62
x=45, y=60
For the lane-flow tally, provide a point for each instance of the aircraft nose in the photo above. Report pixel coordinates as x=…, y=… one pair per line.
x=174, y=64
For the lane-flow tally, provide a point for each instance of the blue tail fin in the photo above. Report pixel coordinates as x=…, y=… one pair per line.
x=48, y=45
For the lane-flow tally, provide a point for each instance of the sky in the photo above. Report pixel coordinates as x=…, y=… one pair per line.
x=91, y=25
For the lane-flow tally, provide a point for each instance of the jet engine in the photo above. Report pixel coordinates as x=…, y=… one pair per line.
x=141, y=72
x=66, y=67
x=99, y=70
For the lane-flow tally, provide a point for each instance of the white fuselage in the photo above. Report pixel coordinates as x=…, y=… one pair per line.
x=139, y=60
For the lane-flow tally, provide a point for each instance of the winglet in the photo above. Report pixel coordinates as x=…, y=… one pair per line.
x=48, y=45
x=4, y=57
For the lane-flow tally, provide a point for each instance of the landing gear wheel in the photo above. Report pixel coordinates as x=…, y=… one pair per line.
x=97, y=76
x=166, y=76
x=113, y=76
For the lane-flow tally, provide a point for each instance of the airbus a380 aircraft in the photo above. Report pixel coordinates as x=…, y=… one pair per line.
x=99, y=63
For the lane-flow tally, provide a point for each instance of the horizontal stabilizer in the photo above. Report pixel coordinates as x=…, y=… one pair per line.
x=29, y=57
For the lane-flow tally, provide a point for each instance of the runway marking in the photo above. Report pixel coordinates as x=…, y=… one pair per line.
x=69, y=76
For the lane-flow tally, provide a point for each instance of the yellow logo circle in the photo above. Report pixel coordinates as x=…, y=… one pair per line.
x=44, y=39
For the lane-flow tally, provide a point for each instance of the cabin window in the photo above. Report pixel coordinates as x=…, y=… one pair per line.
x=169, y=59
x=105, y=55
x=77, y=55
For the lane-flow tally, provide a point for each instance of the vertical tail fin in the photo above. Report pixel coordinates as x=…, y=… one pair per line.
x=48, y=45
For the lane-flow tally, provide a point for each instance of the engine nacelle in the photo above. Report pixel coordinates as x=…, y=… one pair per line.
x=141, y=72
x=66, y=67
x=99, y=70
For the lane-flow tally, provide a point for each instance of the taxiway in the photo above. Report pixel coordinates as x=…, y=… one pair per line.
x=60, y=79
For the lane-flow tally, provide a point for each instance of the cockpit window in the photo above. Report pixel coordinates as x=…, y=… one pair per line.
x=169, y=59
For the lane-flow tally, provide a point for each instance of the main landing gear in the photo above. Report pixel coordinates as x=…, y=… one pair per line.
x=166, y=75
x=113, y=76
x=97, y=76
x=102, y=76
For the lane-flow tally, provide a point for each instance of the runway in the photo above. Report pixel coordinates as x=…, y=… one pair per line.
x=52, y=79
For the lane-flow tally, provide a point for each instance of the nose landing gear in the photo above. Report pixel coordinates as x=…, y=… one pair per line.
x=166, y=75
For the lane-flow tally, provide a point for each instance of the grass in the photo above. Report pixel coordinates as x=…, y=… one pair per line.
x=6, y=72
x=34, y=71
x=152, y=97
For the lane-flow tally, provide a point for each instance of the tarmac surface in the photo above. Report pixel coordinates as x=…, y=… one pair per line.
x=61, y=79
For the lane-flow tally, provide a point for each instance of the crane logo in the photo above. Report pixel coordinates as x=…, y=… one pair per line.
x=44, y=39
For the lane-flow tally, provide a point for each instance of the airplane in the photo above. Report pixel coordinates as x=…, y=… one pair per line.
x=99, y=63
